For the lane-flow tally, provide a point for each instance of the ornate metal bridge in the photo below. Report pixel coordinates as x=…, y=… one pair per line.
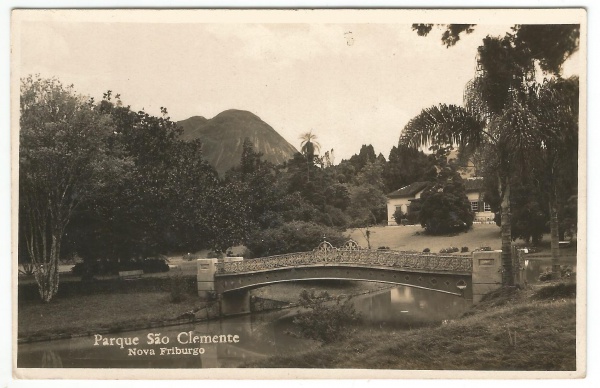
x=233, y=277
x=352, y=255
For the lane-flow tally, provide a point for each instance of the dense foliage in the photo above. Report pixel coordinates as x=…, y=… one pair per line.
x=445, y=207
x=295, y=236
x=65, y=160
x=326, y=320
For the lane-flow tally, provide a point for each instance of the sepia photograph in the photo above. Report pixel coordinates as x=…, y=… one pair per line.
x=347, y=193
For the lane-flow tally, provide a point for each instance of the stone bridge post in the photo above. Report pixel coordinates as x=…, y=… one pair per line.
x=487, y=273
x=206, y=269
x=232, y=302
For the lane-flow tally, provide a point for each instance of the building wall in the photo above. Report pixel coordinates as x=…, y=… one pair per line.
x=403, y=203
x=391, y=208
x=480, y=215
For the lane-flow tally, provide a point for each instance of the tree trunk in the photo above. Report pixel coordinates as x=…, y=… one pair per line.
x=506, y=257
x=554, y=237
x=46, y=270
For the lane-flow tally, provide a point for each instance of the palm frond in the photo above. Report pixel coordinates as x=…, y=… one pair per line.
x=443, y=124
x=518, y=132
x=308, y=142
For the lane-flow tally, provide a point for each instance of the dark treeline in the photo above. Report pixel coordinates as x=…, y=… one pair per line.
x=100, y=181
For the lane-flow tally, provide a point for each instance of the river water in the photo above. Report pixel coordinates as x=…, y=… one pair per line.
x=232, y=342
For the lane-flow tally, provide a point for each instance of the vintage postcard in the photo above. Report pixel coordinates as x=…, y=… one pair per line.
x=264, y=194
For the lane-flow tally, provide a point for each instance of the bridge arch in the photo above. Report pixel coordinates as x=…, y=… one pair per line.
x=233, y=277
x=454, y=283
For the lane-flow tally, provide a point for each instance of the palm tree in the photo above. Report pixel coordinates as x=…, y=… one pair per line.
x=494, y=119
x=507, y=136
x=496, y=115
x=556, y=105
x=308, y=148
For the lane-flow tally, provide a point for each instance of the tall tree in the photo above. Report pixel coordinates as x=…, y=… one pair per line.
x=556, y=104
x=309, y=147
x=407, y=165
x=364, y=156
x=64, y=158
x=493, y=118
x=550, y=44
x=496, y=114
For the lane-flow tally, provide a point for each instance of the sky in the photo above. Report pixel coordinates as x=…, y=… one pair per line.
x=349, y=83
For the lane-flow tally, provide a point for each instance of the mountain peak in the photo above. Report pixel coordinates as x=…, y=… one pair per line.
x=223, y=136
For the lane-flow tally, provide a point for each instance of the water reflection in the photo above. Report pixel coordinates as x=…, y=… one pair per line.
x=534, y=267
x=405, y=306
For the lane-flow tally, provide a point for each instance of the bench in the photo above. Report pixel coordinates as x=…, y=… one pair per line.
x=130, y=275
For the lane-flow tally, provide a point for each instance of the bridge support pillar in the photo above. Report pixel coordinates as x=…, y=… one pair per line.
x=206, y=269
x=235, y=302
x=487, y=273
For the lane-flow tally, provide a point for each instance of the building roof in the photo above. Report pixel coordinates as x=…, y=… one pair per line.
x=409, y=191
x=471, y=184
x=474, y=184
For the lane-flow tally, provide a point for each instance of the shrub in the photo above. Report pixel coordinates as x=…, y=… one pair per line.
x=325, y=322
x=297, y=236
x=154, y=265
x=399, y=216
x=449, y=250
x=426, y=250
x=565, y=272
x=445, y=207
x=464, y=249
x=383, y=248
x=89, y=269
x=214, y=255
x=413, y=216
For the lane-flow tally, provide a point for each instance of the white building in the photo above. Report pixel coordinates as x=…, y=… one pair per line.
x=402, y=199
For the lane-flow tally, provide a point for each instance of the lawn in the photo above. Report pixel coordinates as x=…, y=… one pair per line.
x=91, y=313
x=413, y=238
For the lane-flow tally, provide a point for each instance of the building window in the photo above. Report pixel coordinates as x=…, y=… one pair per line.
x=474, y=206
x=487, y=207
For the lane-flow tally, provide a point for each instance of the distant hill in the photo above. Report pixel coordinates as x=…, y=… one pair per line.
x=223, y=135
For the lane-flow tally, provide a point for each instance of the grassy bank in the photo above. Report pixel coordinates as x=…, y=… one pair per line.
x=113, y=304
x=531, y=329
x=116, y=305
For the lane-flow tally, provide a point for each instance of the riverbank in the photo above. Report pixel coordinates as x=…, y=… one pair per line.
x=530, y=329
x=111, y=306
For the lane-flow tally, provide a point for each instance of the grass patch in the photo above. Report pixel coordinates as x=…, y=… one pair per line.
x=557, y=291
x=512, y=330
x=72, y=313
x=406, y=238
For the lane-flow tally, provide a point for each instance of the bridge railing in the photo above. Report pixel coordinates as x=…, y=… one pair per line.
x=363, y=257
